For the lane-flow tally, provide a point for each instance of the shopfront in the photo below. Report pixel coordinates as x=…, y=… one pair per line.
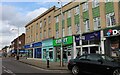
x=37, y=49
x=112, y=42
x=67, y=48
x=47, y=50
x=90, y=43
x=29, y=51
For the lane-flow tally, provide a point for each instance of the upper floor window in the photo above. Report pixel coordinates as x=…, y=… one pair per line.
x=44, y=33
x=77, y=28
x=49, y=32
x=57, y=34
x=77, y=10
x=96, y=23
x=110, y=19
x=95, y=3
x=108, y=1
x=36, y=25
x=57, y=19
x=85, y=6
x=69, y=13
x=49, y=18
x=69, y=30
x=87, y=27
x=40, y=24
x=44, y=22
x=40, y=35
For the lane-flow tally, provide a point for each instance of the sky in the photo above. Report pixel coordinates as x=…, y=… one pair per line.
x=17, y=14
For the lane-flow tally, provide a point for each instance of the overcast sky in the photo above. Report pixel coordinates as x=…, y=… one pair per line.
x=18, y=14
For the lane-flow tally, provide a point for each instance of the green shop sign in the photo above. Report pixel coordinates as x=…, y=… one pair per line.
x=66, y=41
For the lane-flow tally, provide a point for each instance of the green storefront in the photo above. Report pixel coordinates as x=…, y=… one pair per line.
x=67, y=48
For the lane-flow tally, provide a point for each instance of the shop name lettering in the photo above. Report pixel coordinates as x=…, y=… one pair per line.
x=59, y=40
x=113, y=32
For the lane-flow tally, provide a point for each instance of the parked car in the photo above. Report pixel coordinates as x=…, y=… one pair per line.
x=94, y=64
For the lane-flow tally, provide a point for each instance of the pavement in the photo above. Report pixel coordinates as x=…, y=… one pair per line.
x=43, y=64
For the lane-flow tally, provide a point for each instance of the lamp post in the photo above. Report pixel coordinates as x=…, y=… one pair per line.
x=17, y=56
x=61, y=52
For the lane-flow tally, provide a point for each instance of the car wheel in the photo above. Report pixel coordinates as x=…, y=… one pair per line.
x=116, y=72
x=75, y=70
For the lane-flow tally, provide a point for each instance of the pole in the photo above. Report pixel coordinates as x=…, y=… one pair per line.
x=17, y=57
x=61, y=52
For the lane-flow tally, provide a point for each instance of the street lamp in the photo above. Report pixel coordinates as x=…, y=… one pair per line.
x=17, y=56
x=61, y=52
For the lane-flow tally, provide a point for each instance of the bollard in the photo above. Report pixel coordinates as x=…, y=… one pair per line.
x=48, y=63
x=17, y=57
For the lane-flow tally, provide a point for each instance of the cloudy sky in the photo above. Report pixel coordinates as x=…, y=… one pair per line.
x=18, y=14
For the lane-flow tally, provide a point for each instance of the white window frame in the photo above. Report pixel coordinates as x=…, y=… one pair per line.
x=85, y=6
x=77, y=10
x=57, y=34
x=87, y=26
x=108, y=1
x=69, y=30
x=69, y=13
x=109, y=20
x=49, y=32
x=95, y=3
x=96, y=23
x=57, y=19
x=49, y=18
x=77, y=28
x=40, y=24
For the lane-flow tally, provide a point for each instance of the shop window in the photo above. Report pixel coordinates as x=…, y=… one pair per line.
x=85, y=42
x=44, y=54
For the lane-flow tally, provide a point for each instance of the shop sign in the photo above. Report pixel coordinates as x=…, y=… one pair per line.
x=93, y=36
x=113, y=32
x=66, y=41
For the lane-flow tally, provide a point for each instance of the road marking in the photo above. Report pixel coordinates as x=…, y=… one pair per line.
x=8, y=71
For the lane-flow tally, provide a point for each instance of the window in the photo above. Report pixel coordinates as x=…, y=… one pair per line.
x=44, y=22
x=44, y=33
x=77, y=10
x=85, y=6
x=93, y=57
x=69, y=30
x=77, y=28
x=87, y=27
x=40, y=35
x=49, y=32
x=95, y=3
x=63, y=30
x=108, y=1
x=40, y=24
x=36, y=25
x=57, y=19
x=57, y=34
x=49, y=19
x=97, y=23
x=110, y=19
x=69, y=14
x=36, y=36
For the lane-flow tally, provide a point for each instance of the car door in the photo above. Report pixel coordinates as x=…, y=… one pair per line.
x=81, y=62
x=93, y=64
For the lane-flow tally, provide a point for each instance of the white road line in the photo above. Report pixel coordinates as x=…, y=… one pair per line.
x=8, y=71
x=3, y=67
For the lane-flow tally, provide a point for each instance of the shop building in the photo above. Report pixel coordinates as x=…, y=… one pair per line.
x=112, y=41
x=67, y=48
x=47, y=50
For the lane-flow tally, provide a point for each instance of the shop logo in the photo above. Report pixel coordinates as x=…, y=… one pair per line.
x=109, y=32
x=113, y=32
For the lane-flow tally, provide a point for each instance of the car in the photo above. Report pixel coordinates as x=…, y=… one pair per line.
x=95, y=64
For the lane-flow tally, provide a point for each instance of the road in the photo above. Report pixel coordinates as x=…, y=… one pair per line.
x=10, y=66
